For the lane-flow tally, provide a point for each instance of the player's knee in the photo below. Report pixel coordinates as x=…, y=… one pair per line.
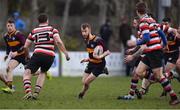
x=27, y=73
x=138, y=74
x=85, y=83
x=8, y=69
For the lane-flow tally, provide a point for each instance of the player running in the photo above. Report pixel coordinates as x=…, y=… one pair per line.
x=171, y=55
x=44, y=37
x=153, y=54
x=14, y=40
x=96, y=63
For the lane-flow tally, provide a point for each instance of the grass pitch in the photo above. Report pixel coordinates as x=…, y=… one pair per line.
x=61, y=93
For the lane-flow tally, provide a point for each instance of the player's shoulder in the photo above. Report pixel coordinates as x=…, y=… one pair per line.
x=147, y=19
x=5, y=35
x=98, y=38
x=18, y=32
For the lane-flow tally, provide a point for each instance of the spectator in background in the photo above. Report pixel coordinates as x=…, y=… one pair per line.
x=106, y=32
x=19, y=23
x=124, y=35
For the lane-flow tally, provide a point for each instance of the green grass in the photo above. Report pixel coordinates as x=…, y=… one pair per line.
x=62, y=93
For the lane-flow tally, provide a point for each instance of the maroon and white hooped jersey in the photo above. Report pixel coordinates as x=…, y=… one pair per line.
x=42, y=37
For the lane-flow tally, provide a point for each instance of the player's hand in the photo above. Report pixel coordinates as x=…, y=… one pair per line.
x=6, y=57
x=131, y=43
x=108, y=52
x=67, y=57
x=13, y=54
x=178, y=61
x=129, y=51
x=84, y=60
x=166, y=49
x=27, y=59
x=128, y=58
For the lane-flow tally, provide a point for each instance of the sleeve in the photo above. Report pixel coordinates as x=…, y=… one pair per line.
x=55, y=33
x=101, y=42
x=21, y=38
x=30, y=37
x=163, y=37
x=7, y=46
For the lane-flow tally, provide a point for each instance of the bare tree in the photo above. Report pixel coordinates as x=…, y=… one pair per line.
x=102, y=11
x=3, y=12
x=65, y=16
x=34, y=12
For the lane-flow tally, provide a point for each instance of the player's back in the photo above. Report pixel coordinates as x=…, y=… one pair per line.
x=43, y=39
x=148, y=25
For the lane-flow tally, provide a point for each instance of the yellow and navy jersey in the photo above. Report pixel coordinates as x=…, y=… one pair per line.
x=90, y=46
x=14, y=41
x=173, y=42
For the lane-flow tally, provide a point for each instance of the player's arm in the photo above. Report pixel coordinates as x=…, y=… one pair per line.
x=26, y=46
x=173, y=30
x=138, y=52
x=60, y=45
x=106, y=52
x=163, y=37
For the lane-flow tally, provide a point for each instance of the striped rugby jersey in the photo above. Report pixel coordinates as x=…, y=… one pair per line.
x=42, y=36
x=149, y=25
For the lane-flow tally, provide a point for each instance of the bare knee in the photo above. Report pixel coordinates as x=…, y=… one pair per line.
x=139, y=74
x=27, y=74
x=8, y=69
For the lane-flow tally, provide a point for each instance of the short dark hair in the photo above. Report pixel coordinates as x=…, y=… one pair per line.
x=141, y=7
x=10, y=20
x=42, y=18
x=166, y=20
x=85, y=25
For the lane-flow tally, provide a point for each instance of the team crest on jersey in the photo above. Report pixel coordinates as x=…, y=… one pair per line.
x=13, y=38
x=92, y=45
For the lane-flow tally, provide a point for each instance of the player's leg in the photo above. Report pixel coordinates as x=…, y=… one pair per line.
x=27, y=84
x=168, y=68
x=145, y=86
x=45, y=64
x=3, y=78
x=87, y=72
x=39, y=84
x=158, y=72
x=48, y=74
x=138, y=73
x=32, y=67
x=168, y=74
x=178, y=67
x=11, y=66
x=88, y=78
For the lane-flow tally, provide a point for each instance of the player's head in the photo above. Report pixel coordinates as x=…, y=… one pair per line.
x=141, y=8
x=10, y=25
x=42, y=18
x=85, y=30
x=135, y=22
x=166, y=21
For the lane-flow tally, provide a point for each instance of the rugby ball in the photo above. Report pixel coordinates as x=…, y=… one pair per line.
x=98, y=50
